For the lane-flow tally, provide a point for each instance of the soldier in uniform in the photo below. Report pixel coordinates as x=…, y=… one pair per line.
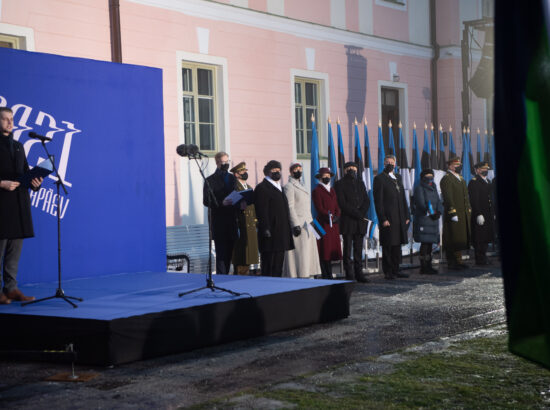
x=480, y=190
x=245, y=252
x=457, y=217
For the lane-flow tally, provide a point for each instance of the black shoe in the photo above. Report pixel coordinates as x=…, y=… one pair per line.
x=463, y=266
x=401, y=275
x=454, y=266
x=389, y=276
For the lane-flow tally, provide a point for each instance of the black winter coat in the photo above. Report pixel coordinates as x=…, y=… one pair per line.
x=391, y=205
x=273, y=215
x=354, y=204
x=15, y=206
x=481, y=200
x=426, y=229
x=224, y=218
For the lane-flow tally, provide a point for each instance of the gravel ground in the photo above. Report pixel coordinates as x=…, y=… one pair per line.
x=385, y=316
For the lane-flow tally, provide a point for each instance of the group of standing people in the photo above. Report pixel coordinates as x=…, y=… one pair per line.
x=277, y=227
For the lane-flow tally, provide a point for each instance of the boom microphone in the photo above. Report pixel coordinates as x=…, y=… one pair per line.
x=189, y=150
x=42, y=138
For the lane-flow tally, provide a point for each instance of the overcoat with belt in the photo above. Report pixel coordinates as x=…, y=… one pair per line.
x=391, y=205
x=354, y=203
x=15, y=206
x=273, y=215
x=245, y=251
x=303, y=261
x=426, y=229
x=330, y=248
x=456, y=235
x=481, y=199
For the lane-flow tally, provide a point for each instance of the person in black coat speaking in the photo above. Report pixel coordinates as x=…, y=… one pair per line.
x=274, y=233
x=393, y=217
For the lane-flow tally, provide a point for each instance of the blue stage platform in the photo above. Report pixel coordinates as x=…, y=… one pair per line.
x=134, y=316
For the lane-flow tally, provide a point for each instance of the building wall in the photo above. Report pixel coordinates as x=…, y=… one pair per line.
x=259, y=46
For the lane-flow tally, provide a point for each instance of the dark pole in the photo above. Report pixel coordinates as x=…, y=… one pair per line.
x=465, y=83
x=114, y=20
x=435, y=47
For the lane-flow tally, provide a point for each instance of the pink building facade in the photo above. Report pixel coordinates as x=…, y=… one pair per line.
x=244, y=76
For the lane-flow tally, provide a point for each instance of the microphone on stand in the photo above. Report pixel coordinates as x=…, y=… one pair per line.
x=35, y=136
x=189, y=150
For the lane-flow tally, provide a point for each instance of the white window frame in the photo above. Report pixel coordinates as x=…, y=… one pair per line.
x=402, y=88
x=324, y=106
x=396, y=5
x=24, y=35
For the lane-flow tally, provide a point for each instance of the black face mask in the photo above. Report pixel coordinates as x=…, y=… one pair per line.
x=458, y=169
x=297, y=174
x=325, y=180
x=224, y=167
x=484, y=173
x=352, y=173
x=388, y=168
x=244, y=176
x=428, y=180
x=275, y=176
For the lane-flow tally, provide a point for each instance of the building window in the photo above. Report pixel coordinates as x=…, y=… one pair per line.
x=306, y=101
x=199, y=106
x=390, y=112
x=9, y=41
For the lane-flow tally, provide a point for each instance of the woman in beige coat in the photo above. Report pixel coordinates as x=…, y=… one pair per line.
x=303, y=261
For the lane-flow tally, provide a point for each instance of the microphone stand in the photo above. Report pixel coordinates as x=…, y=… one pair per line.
x=59, y=293
x=211, y=200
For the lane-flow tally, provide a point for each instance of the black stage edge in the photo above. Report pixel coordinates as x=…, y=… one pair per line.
x=111, y=342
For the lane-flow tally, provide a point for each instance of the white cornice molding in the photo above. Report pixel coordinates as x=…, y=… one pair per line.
x=19, y=31
x=221, y=12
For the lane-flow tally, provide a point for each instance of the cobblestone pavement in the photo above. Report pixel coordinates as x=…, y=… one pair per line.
x=385, y=316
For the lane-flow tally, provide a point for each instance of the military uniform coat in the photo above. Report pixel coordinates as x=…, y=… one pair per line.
x=426, y=229
x=303, y=261
x=273, y=214
x=354, y=203
x=15, y=206
x=224, y=218
x=245, y=251
x=391, y=205
x=481, y=199
x=329, y=246
x=456, y=235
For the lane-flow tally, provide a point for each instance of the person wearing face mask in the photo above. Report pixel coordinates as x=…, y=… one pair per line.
x=274, y=230
x=325, y=202
x=427, y=210
x=224, y=214
x=480, y=190
x=354, y=203
x=393, y=217
x=457, y=215
x=303, y=261
x=245, y=251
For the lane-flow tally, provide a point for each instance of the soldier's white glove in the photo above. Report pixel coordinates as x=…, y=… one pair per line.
x=454, y=218
x=480, y=220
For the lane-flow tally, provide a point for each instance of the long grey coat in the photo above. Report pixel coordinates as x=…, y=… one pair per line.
x=425, y=229
x=303, y=261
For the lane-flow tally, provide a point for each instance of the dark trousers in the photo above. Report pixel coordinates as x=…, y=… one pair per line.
x=480, y=249
x=224, y=252
x=10, y=252
x=353, y=243
x=391, y=258
x=326, y=269
x=271, y=263
x=425, y=251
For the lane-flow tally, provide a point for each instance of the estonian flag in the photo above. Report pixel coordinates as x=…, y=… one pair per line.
x=381, y=152
x=416, y=159
x=314, y=160
x=433, y=151
x=331, y=154
x=341, y=157
x=425, y=158
x=442, y=159
x=452, y=149
x=358, y=157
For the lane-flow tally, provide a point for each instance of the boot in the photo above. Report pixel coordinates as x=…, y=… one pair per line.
x=429, y=268
x=422, y=265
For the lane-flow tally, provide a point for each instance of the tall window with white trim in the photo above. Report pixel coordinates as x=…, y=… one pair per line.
x=199, y=106
x=306, y=100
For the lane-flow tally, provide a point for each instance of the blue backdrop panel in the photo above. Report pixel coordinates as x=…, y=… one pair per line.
x=106, y=124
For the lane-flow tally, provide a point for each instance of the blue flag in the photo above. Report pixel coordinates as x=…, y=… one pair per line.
x=358, y=156
x=314, y=161
x=466, y=171
x=391, y=146
x=492, y=162
x=433, y=151
x=331, y=154
x=442, y=160
x=425, y=158
x=486, y=156
x=403, y=160
x=368, y=178
x=341, y=158
x=381, y=152
x=478, y=154
x=416, y=160
x=452, y=149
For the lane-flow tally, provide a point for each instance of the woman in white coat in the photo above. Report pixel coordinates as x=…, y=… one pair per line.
x=303, y=261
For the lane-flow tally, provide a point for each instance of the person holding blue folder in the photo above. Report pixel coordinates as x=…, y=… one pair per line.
x=427, y=209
